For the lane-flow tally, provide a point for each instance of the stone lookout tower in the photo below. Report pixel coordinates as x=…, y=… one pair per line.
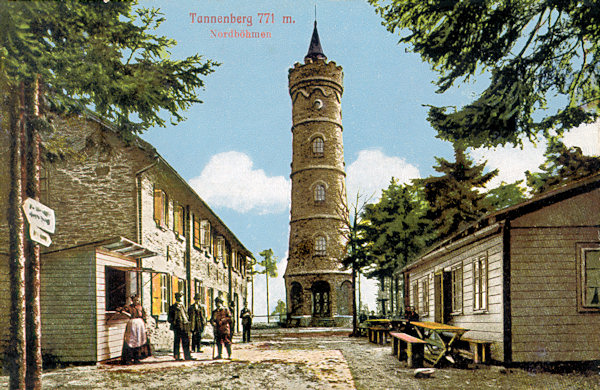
x=319, y=291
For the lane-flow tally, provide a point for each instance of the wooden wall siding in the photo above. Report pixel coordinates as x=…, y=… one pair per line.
x=68, y=305
x=4, y=304
x=110, y=328
x=489, y=324
x=580, y=210
x=546, y=324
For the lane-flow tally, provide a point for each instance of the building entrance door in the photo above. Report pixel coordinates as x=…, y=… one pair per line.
x=321, y=292
x=443, y=299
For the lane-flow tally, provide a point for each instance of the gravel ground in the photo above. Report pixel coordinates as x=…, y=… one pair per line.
x=311, y=359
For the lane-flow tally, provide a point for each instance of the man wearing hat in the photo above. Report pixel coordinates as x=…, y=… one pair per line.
x=246, y=316
x=197, y=322
x=180, y=326
x=222, y=324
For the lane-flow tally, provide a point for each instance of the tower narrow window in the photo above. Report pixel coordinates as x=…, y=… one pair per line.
x=319, y=193
x=318, y=147
x=320, y=246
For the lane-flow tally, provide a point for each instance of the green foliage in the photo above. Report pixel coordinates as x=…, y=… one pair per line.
x=535, y=52
x=280, y=309
x=562, y=165
x=505, y=195
x=395, y=229
x=269, y=263
x=99, y=55
x=453, y=198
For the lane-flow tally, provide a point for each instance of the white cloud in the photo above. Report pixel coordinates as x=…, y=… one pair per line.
x=230, y=180
x=511, y=162
x=372, y=171
x=587, y=137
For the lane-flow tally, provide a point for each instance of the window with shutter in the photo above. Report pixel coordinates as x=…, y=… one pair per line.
x=161, y=208
x=159, y=306
x=196, y=241
x=158, y=204
x=178, y=219
x=174, y=287
x=205, y=235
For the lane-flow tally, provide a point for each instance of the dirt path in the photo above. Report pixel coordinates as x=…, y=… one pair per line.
x=311, y=359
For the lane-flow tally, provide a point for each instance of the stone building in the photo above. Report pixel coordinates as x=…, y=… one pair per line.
x=126, y=223
x=319, y=291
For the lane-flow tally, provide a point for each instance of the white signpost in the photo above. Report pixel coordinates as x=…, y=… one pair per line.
x=41, y=221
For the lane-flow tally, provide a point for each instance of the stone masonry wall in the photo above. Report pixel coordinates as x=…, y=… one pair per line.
x=316, y=90
x=93, y=195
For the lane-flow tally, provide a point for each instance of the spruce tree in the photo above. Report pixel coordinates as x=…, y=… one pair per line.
x=62, y=58
x=395, y=228
x=562, y=165
x=505, y=195
x=532, y=54
x=456, y=198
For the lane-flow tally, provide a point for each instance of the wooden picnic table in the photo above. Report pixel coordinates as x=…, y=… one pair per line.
x=440, y=339
x=378, y=334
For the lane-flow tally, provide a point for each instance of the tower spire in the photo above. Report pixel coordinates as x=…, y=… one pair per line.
x=315, y=51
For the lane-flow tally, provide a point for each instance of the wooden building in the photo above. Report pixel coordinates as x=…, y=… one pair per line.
x=526, y=277
x=111, y=186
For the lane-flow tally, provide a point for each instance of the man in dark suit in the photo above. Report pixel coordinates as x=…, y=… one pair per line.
x=246, y=316
x=180, y=326
x=197, y=322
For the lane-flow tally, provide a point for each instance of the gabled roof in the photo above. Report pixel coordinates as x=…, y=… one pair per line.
x=498, y=217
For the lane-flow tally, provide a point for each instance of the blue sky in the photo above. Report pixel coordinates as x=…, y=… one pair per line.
x=235, y=148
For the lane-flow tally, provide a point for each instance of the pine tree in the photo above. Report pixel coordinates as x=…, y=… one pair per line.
x=562, y=165
x=532, y=53
x=505, y=195
x=61, y=58
x=395, y=228
x=454, y=199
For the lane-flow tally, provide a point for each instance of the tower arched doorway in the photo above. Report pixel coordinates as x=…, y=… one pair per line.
x=321, y=299
x=296, y=299
x=344, y=298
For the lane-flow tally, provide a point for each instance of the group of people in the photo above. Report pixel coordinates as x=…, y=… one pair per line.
x=184, y=323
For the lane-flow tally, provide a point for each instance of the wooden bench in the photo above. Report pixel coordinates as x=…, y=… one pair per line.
x=415, y=348
x=362, y=330
x=377, y=334
x=481, y=351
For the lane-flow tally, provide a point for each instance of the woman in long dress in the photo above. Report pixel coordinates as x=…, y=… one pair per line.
x=136, y=345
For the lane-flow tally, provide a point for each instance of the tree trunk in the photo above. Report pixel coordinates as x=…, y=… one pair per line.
x=359, y=296
x=354, y=311
x=267, y=276
x=252, y=282
x=15, y=354
x=392, y=296
x=32, y=276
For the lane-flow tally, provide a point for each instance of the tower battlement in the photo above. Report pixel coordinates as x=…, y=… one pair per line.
x=313, y=70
